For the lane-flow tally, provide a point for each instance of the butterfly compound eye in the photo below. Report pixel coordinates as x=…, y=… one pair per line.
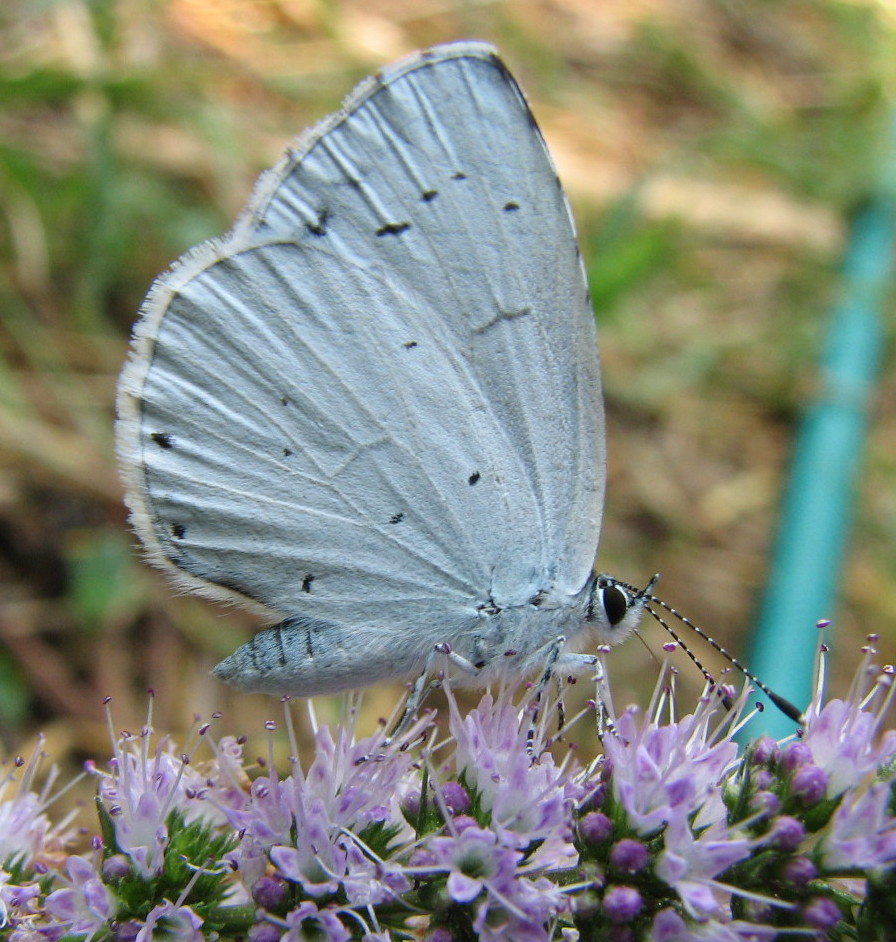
x=615, y=602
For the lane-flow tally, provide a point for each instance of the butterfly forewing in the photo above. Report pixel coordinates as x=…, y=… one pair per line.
x=376, y=402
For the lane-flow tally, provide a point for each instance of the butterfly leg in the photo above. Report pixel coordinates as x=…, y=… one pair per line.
x=555, y=665
x=425, y=683
x=574, y=663
x=606, y=713
x=550, y=664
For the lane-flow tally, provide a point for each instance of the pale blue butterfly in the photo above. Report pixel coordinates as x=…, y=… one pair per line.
x=373, y=409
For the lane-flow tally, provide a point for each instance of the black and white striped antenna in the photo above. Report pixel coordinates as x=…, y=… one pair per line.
x=649, y=600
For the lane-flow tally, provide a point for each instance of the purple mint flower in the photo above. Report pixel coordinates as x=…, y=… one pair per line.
x=526, y=912
x=116, y=867
x=354, y=792
x=249, y=860
x=27, y=933
x=669, y=926
x=795, y=755
x=821, y=913
x=265, y=932
x=265, y=821
x=16, y=900
x=269, y=893
x=843, y=740
x=23, y=826
x=173, y=923
x=457, y=799
x=763, y=750
x=139, y=795
x=475, y=862
x=26, y=834
x=799, y=871
x=309, y=922
x=126, y=931
x=316, y=861
x=324, y=858
x=660, y=774
x=514, y=871
x=862, y=833
x=267, y=817
x=410, y=803
x=787, y=833
x=765, y=803
x=528, y=801
x=86, y=906
x=143, y=787
x=464, y=821
x=509, y=903
x=622, y=903
x=809, y=784
x=226, y=781
x=842, y=735
x=370, y=882
x=691, y=864
x=595, y=827
x=596, y=794
x=341, y=792
x=629, y=855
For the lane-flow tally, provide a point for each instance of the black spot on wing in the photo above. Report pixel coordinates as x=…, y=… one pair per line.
x=162, y=439
x=319, y=228
x=474, y=478
x=393, y=228
x=178, y=531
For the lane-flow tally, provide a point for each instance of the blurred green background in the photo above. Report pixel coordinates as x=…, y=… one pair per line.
x=712, y=150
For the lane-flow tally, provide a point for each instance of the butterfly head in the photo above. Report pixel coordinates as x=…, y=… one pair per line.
x=615, y=608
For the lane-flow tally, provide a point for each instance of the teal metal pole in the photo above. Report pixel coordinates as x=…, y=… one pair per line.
x=806, y=562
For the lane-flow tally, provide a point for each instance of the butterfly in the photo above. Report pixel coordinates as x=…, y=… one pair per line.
x=373, y=409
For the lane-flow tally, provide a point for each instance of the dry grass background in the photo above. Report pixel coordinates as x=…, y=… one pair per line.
x=712, y=149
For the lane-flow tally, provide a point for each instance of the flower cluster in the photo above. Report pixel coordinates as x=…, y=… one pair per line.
x=673, y=834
